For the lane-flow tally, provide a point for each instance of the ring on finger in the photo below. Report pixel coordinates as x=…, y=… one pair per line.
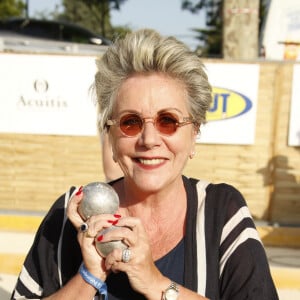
x=126, y=255
x=84, y=227
x=86, y=234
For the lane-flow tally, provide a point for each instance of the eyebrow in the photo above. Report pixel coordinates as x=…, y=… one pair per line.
x=168, y=109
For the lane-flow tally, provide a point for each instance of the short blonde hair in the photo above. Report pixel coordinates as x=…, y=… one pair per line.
x=146, y=51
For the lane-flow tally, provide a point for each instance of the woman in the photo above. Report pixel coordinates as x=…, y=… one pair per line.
x=186, y=239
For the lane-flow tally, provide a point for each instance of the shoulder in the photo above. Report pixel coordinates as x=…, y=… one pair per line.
x=221, y=202
x=225, y=196
x=220, y=194
x=53, y=220
x=61, y=202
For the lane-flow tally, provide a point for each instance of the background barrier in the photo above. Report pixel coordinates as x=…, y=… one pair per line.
x=37, y=169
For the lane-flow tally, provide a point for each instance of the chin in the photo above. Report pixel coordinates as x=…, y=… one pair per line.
x=150, y=184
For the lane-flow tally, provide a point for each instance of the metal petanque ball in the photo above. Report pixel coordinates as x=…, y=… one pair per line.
x=98, y=198
x=104, y=248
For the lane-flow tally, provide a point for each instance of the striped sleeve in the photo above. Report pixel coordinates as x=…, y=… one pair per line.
x=236, y=231
x=237, y=266
x=39, y=276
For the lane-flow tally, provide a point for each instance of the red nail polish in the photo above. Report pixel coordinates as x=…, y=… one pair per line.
x=100, y=238
x=117, y=216
x=113, y=222
x=79, y=191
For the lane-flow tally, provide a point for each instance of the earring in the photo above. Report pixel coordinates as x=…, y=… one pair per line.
x=192, y=155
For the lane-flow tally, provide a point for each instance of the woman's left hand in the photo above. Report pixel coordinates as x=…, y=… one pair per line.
x=142, y=273
x=86, y=238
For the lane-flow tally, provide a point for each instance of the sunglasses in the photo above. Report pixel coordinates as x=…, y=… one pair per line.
x=165, y=123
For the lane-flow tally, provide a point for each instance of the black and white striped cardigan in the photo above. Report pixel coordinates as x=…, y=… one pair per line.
x=224, y=257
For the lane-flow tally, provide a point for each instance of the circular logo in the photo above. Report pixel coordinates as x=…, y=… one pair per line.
x=41, y=86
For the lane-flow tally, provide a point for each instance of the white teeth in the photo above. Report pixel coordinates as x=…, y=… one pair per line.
x=154, y=161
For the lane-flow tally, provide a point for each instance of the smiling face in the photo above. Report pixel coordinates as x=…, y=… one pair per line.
x=150, y=160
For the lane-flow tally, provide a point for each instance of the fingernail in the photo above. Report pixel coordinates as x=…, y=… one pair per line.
x=113, y=222
x=100, y=238
x=117, y=216
x=79, y=191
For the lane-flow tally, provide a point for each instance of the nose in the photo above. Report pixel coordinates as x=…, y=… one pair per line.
x=150, y=136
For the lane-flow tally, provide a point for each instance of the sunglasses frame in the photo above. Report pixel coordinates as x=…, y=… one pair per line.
x=187, y=121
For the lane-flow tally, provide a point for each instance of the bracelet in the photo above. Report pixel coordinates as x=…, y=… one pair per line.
x=94, y=281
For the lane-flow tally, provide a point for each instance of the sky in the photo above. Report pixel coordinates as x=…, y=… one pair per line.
x=166, y=16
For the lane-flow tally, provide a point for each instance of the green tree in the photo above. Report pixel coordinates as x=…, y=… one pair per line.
x=93, y=14
x=211, y=37
x=12, y=8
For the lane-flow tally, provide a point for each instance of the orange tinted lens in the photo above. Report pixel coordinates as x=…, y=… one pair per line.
x=166, y=123
x=131, y=124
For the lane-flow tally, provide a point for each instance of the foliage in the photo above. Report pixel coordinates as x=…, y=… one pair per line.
x=93, y=14
x=119, y=31
x=12, y=8
x=48, y=15
x=211, y=37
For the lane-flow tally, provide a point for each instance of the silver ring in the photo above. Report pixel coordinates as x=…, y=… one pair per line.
x=84, y=227
x=126, y=255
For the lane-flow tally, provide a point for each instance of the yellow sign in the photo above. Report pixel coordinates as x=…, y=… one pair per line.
x=227, y=104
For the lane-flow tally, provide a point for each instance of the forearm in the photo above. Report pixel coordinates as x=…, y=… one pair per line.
x=75, y=289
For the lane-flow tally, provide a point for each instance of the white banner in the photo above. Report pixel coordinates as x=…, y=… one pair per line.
x=50, y=94
x=232, y=116
x=294, y=130
x=47, y=94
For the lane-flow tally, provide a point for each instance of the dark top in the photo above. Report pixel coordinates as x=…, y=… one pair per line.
x=221, y=256
x=171, y=265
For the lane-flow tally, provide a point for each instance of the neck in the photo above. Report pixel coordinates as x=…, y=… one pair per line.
x=139, y=202
x=162, y=214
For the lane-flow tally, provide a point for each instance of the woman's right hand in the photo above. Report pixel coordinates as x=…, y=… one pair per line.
x=92, y=260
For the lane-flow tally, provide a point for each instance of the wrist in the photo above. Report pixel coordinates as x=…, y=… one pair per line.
x=97, y=283
x=171, y=292
x=158, y=289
